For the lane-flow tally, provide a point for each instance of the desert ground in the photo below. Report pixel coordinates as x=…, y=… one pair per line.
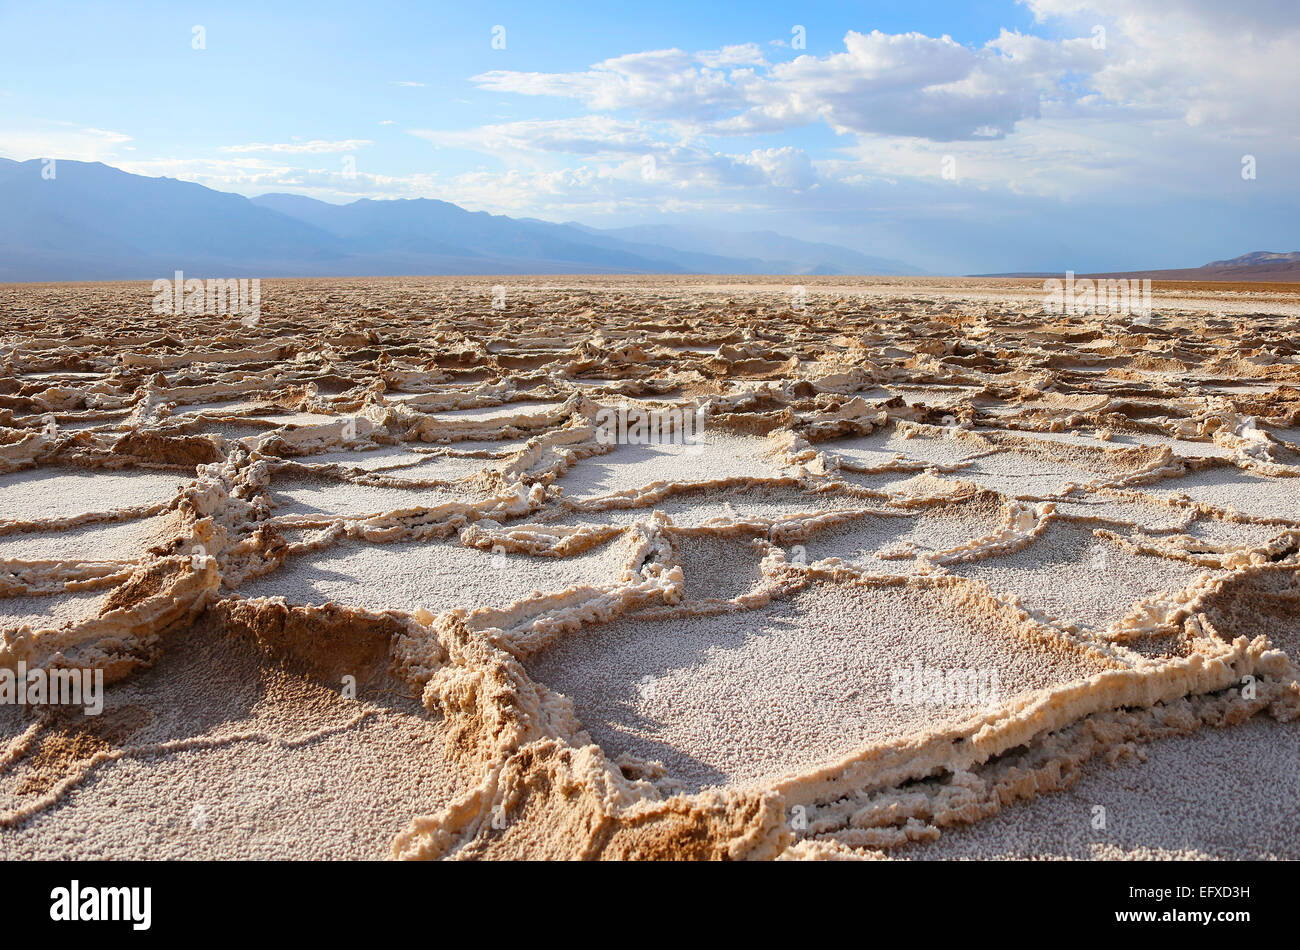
x=935, y=575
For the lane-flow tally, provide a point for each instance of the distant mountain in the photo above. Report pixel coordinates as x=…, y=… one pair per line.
x=392, y=228
x=1263, y=266
x=776, y=253
x=1258, y=257
x=1276, y=266
x=94, y=222
x=395, y=223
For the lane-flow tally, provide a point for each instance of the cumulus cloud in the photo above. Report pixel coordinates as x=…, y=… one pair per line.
x=1152, y=94
x=1210, y=64
x=1227, y=67
x=905, y=84
x=255, y=176
x=1261, y=16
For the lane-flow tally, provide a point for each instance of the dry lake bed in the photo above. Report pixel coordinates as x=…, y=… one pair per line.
x=651, y=567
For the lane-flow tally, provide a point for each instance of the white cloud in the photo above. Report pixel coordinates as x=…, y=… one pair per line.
x=314, y=147
x=1139, y=97
x=244, y=175
x=588, y=135
x=745, y=54
x=658, y=84
x=81, y=145
x=1226, y=66
x=906, y=84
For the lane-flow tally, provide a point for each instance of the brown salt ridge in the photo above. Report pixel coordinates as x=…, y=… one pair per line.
x=363, y=578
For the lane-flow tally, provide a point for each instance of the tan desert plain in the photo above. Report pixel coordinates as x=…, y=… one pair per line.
x=650, y=567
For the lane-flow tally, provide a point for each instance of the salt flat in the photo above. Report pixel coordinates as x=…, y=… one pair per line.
x=942, y=573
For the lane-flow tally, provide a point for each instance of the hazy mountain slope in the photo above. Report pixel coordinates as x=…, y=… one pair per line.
x=94, y=222
x=432, y=226
x=383, y=225
x=782, y=254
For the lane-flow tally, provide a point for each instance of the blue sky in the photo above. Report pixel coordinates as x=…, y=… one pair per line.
x=961, y=137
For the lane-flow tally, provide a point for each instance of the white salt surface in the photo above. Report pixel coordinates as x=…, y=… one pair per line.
x=55, y=610
x=637, y=466
x=115, y=541
x=47, y=493
x=326, y=498
x=1233, y=488
x=435, y=575
x=1187, y=801
x=749, y=696
x=1070, y=574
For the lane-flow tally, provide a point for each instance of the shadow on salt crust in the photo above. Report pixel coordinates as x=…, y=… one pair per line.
x=1231, y=488
x=1059, y=573
x=1222, y=793
x=225, y=752
x=907, y=533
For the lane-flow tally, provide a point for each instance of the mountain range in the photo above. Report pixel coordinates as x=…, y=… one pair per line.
x=1264, y=266
x=90, y=221
x=1257, y=266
